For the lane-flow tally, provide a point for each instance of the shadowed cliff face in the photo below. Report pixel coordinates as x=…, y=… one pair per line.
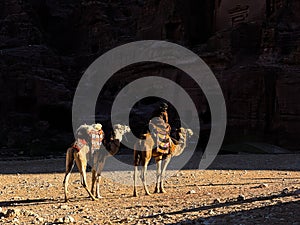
x=45, y=46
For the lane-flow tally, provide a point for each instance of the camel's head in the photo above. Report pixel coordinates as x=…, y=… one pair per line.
x=189, y=132
x=184, y=133
x=120, y=130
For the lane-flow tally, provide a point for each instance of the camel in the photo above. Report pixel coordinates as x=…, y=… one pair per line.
x=96, y=157
x=144, y=151
x=99, y=158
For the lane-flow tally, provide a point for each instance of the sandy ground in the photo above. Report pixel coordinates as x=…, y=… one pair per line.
x=236, y=189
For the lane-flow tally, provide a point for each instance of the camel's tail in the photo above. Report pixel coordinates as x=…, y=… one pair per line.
x=70, y=159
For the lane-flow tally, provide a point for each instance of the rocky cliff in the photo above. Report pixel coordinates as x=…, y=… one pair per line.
x=45, y=46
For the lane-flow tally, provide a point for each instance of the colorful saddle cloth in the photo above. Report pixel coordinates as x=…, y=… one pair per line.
x=163, y=143
x=96, y=137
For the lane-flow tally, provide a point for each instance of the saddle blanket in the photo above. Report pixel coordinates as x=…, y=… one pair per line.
x=96, y=140
x=96, y=137
x=163, y=143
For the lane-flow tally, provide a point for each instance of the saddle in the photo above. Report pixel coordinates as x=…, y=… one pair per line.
x=96, y=137
x=163, y=140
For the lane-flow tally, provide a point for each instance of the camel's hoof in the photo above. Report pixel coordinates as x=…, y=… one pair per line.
x=156, y=190
x=99, y=197
x=148, y=193
x=94, y=199
x=163, y=191
x=135, y=195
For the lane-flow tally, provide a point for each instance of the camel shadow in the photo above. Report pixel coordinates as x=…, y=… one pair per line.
x=220, y=205
x=41, y=201
x=236, y=184
x=251, y=216
x=38, y=201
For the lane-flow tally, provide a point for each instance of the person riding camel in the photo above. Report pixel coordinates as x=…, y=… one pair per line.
x=160, y=128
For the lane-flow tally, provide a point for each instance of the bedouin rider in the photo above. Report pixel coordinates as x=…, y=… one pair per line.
x=160, y=128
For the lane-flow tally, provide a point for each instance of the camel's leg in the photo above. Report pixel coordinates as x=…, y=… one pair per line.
x=98, y=179
x=81, y=164
x=100, y=166
x=94, y=158
x=143, y=176
x=136, y=162
x=165, y=163
x=69, y=167
x=135, y=194
x=158, y=176
x=93, y=180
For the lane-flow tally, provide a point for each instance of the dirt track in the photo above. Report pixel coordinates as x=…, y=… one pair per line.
x=239, y=195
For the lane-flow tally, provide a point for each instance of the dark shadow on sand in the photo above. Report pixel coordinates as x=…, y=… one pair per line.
x=273, y=214
x=225, y=204
x=38, y=201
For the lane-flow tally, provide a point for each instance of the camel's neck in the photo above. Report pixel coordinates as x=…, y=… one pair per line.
x=114, y=144
x=118, y=136
x=180, y=146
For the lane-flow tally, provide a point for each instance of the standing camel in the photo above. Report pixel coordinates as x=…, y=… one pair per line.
x=144, y=151
x=96, y=157
x=99, y=158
